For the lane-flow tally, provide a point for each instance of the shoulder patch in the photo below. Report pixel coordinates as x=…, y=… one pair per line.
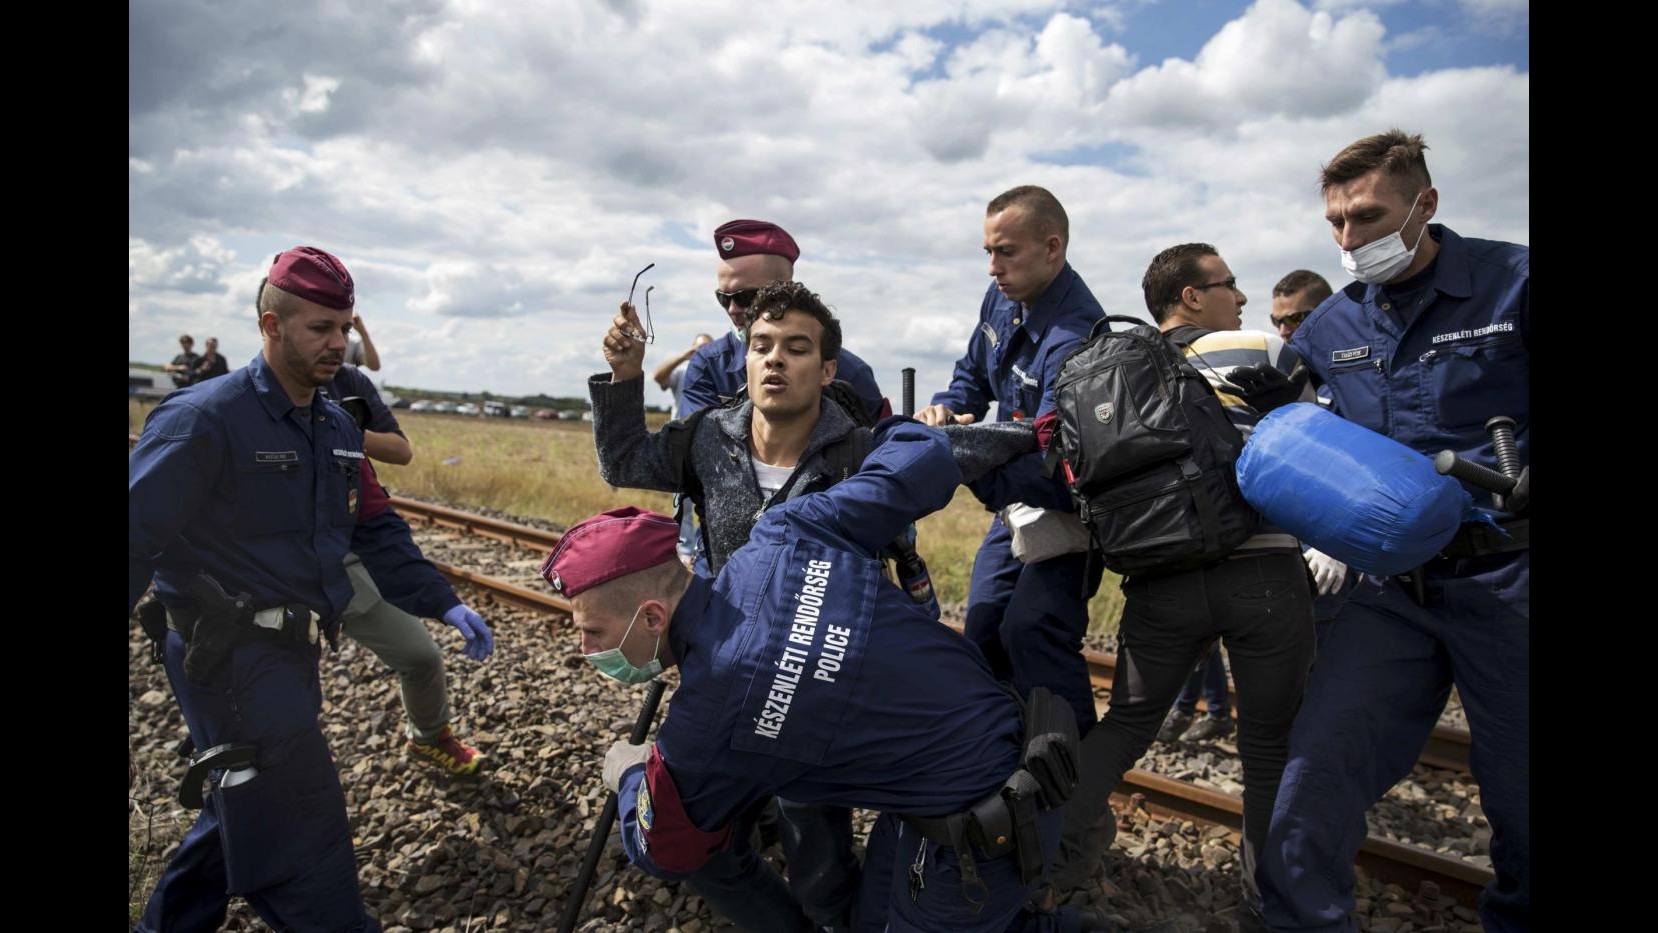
x=989, y=333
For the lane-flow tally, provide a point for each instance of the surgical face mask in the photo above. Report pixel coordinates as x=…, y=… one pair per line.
x=615, y=665
x=1381, y=260
x=741, y=332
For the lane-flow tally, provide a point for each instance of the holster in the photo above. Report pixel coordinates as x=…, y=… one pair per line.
x=1019, y=795
x=222, y=621
x=231, y=756
x=152, y=618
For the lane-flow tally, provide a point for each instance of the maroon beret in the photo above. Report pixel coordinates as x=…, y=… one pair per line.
x=315, y=276
x=748, y=237
x=609, y=545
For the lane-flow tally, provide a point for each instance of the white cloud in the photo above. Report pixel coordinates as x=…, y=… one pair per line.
x=1276, y=59
x=192, y=268
x=494, y=175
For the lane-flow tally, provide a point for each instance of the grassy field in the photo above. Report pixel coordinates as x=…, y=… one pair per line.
x=548, y=469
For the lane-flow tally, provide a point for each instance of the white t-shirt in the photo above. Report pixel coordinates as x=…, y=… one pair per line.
x=771, y=478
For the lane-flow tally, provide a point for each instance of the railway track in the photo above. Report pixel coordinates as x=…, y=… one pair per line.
x=1388, y=862
x=1446, y=748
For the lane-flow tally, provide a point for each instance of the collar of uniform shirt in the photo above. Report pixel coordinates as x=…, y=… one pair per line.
x=269, y=389
x=1036, y=318
x=1451, y=274
x=693, y=607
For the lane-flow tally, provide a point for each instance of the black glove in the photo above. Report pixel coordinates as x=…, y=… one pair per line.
x=1519, y=500
x=1265, y=387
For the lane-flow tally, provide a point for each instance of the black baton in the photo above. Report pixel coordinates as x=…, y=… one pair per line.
x=607, y=816
x=909, y=391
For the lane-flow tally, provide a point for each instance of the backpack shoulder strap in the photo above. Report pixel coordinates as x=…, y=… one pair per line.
x=680, y=439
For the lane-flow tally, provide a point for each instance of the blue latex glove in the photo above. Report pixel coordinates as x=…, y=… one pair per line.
x=479, y=641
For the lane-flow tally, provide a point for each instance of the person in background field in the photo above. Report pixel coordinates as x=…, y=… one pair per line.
x=212, y=362
x=1430, y=340
x=183, y=366
x=670, y=376
x=362, y=352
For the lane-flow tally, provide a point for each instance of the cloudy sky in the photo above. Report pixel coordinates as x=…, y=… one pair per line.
x=494, y=174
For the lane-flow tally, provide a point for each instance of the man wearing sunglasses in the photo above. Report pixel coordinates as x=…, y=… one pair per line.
x=755, y=253
x=1294, y=297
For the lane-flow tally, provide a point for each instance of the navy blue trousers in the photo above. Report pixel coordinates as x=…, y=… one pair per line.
x=281, y=840
x=1028, y=620
x=1384, y=670
x=823, y=873
x=885, y=903
x=1208, y=679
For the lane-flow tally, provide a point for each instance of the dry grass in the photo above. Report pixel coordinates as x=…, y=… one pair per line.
x=547, y=469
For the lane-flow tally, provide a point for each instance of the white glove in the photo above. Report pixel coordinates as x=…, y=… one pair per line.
x=619, y=759
x=1327, y=571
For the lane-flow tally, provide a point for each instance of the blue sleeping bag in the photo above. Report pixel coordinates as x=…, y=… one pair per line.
x=1362, y=498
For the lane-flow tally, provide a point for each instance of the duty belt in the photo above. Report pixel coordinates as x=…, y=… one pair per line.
x=295, y=623
x=1478, y=539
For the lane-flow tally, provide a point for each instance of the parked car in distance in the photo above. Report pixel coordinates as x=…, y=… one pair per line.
x=444, y=407
x=148, y=383
x=422, y=405
x=520, y=411
x=495, y=409
x=466, y=408
x=545, y=413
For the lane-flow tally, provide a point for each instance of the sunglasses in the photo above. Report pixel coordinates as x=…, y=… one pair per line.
x=649, y=336
x=1231, y=283
x=742, y=297
x=1294, y=318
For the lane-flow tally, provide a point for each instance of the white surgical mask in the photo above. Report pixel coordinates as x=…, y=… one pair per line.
x=1381, y=260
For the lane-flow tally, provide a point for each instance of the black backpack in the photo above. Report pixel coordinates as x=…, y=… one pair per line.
x=1148, y=452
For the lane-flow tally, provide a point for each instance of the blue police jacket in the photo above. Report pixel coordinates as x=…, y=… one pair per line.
x=1013, y=359
x=805, y=674
x=716, y=373
x=1013, y=356
x=226, y=478
x=1462, y=359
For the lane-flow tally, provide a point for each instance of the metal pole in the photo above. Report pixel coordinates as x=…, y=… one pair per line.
x=601, y=829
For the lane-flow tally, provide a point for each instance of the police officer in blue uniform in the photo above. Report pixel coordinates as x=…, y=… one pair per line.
x=243, y=497
x=755, y=253
x=1430, y=342
x=805, y=674
x=1027, y=619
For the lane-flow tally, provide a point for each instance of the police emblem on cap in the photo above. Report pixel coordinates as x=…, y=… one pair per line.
x=556, y=581
x=1103, y=412
x=728, y=244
